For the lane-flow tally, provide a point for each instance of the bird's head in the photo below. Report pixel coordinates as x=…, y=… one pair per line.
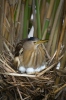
x=33, y=43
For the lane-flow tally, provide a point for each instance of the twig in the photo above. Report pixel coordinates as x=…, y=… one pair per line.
x=11, y=55
x=46, y=52
x=17, y=88
x=59, y=88
x=61, y=37
x=55, y=54
x=16, y=74
x=19, y=94
x=48, y=68
x=6, y=65
x=53, y=57
x=54, y=25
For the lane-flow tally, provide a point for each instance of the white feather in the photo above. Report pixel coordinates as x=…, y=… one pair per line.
x=22, y=69
x=30, y=70
x=37, y=69
x=40, y=68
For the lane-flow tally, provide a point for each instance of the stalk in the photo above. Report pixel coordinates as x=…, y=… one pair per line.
x=44, y=32
x=38, y=19
x=54, y=25
x=25, y=23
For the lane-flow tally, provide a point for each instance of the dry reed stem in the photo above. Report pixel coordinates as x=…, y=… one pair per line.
x=46, y=52
x=11, y=55
x=5, y=63
x=61, y=68
x=17, y=74
x=53, y=57
x=17, y=88
x=50, y=9
x=54, y=25
x=48, y=68
x=61, y=37
x=17, y=15
x=42, y=12
x=59, y=89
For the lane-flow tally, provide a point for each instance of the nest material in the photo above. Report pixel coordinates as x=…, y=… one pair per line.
x=40, y=86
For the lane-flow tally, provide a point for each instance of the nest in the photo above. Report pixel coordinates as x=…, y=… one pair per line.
x=39, y=86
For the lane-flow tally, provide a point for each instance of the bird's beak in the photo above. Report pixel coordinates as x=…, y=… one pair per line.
x=40, y=42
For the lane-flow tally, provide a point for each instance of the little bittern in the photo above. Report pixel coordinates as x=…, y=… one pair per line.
x=29, y=53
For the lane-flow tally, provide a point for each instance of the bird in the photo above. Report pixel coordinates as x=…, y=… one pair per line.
x=29, y=54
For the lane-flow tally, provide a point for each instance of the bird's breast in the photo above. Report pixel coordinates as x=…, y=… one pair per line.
x=33, y=58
